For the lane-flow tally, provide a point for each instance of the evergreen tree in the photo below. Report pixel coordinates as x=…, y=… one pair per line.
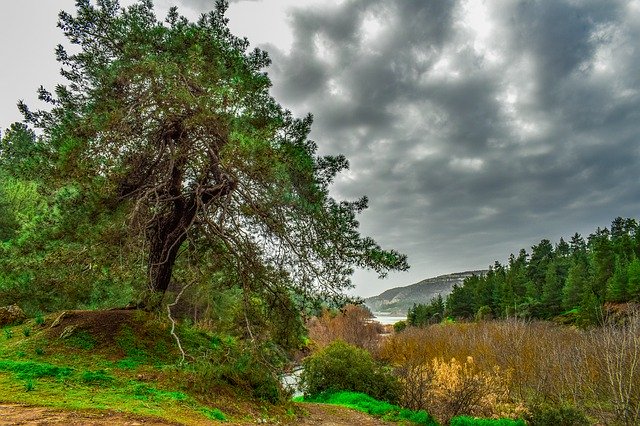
x=577, y=283
x=618, y=285
x=633, y=274
x=552, y=291
x=171, y=122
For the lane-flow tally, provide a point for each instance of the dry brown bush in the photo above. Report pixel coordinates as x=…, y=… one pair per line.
x=595, y=370
x=352, y=324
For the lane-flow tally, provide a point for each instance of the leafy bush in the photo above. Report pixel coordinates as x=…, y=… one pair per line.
x=399, y=326
x=341, y=366
x=549, y=415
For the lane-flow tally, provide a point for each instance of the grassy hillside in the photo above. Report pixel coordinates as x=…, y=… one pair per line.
x=125, y=361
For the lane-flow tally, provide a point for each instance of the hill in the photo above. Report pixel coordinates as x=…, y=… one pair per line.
x=398, y=300
x=121, y=367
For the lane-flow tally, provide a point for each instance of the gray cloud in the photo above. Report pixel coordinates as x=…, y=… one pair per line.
x=471, y=148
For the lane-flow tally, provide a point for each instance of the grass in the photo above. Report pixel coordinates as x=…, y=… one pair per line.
x=138, y=374
x=390, y=412
x=366, y=404
x=471, y=421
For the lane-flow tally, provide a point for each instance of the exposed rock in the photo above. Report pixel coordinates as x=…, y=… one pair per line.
x=11, y=315
x=398, y=300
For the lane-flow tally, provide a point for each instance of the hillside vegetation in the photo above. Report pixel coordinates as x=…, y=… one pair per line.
x=397, y=300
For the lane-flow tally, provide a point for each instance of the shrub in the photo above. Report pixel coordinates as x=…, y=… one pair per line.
x=548, y=415
x=341, y=366
x=399, y=326
x=352, y=324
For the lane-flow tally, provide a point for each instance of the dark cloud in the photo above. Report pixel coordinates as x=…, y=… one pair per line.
x=472, y=145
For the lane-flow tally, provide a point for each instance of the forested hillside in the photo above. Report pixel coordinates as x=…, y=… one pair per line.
x=396, y=301
x=574, y=279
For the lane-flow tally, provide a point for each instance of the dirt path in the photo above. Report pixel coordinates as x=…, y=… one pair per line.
x=16, y=414
x=331, y=415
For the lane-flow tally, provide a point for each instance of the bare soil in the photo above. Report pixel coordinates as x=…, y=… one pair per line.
x=317, y=414
x=16, y=414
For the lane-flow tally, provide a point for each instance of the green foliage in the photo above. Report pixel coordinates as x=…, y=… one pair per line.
x=39, y=319
x=214, y=414
x=575, y=277
x=26, y=331
x=472, y=421
x=8, y=333
x=399, y=326
x=81, y=339
x=421, y=315
x=365, y=403
x=97, y=377
x=550, y=415
x=34, y=370
x=340, y=366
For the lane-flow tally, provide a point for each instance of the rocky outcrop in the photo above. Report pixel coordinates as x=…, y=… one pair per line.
x=398, y=300
x=11, y=315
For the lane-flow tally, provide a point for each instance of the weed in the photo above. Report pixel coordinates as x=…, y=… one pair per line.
x=127, y=364
x=472, y=421
x=97, y=377
x=82, y=340
x=214, y=414
x=29, y=386
x=39, y=319
x=34, y=370
x=39, y=351
x=21, y=354
x=127, y=341
x=8, y=333
x=26, y=331
x=144, y=392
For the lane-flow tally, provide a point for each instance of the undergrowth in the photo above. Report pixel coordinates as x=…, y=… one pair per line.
x=366, y=404
x=390, y=412
x=137, y=371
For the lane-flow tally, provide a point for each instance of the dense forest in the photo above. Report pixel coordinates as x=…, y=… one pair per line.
x=570, y=281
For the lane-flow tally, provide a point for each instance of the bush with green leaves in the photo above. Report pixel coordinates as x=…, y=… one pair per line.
x=553, y=415
x=343, y=367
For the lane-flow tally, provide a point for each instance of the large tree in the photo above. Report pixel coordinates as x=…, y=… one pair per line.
x=175, y=120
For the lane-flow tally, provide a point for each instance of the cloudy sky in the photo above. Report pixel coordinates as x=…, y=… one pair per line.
x=475, y=127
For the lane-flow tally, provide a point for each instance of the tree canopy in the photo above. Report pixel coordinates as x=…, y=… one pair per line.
x=166, y=142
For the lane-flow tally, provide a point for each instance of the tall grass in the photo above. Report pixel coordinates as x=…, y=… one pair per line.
x=595, y=370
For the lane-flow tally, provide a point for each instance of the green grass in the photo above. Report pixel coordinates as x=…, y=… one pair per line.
x=25, y=370
x=366, y=404
x=471, y=421
x=394, y=413
x=77, y=373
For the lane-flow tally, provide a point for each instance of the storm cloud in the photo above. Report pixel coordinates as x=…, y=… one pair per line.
x=475, y=128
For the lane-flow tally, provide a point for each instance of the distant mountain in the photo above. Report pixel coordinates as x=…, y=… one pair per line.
x=398, y=300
